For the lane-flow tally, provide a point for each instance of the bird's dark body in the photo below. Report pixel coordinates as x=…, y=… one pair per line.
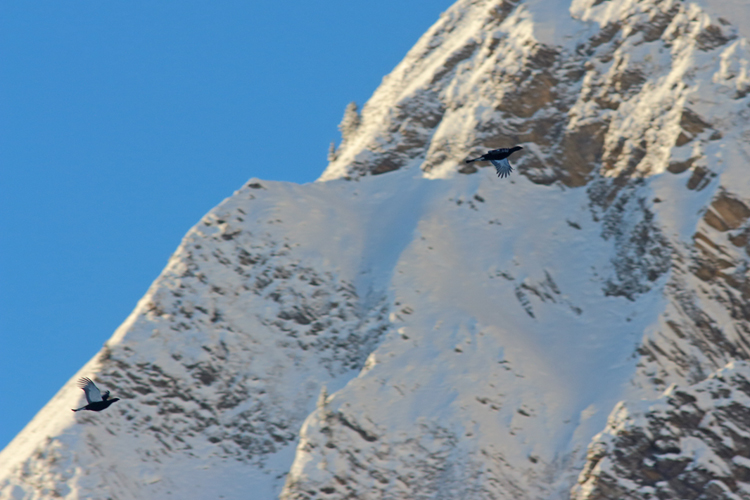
x=98, y=405
x=95, y=399
x=496, y=154
x=499, y=158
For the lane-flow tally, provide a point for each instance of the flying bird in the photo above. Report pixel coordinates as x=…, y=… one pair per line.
x=499, y=158
x=95, y=399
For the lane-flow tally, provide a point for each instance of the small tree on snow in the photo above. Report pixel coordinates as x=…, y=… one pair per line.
x=323, y=398
x=350, y=122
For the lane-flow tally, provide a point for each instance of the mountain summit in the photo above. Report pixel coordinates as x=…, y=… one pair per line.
x=409, y=327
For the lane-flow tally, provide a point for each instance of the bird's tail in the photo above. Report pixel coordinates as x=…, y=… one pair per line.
x=504, y=172
x=469, y=161
x=78, y=409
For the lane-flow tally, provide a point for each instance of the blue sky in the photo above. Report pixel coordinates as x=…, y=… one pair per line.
x=122, y=123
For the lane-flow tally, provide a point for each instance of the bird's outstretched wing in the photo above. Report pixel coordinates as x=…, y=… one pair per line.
x=92, y=391
x=503, y=167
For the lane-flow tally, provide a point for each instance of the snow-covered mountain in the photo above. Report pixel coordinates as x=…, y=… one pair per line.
x=413, y=327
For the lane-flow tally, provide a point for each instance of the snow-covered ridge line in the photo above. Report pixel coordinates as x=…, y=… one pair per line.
x=215, y=362
x=563, y=82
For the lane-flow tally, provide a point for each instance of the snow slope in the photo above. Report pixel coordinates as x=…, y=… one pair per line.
x=284, y=288
x=413, y=327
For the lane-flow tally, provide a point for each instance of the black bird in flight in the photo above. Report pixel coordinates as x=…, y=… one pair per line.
x=499, y=158
x=95, y=399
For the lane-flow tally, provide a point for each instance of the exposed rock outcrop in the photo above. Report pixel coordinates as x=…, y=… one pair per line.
x=692, y=443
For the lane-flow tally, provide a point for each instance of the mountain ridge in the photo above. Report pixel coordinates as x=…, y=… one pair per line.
x=408, y=327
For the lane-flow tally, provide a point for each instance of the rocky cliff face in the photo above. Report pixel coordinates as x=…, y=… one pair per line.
x=691, y=443
x=413, y=327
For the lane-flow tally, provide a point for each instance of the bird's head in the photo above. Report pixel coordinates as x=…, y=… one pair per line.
x=113, y=400
x=515, y=148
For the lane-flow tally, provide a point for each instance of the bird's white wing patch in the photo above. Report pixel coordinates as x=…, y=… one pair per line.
x=503, y=167
x=92, y=391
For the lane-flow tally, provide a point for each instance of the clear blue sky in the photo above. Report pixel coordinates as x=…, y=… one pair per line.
x=123, y=122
